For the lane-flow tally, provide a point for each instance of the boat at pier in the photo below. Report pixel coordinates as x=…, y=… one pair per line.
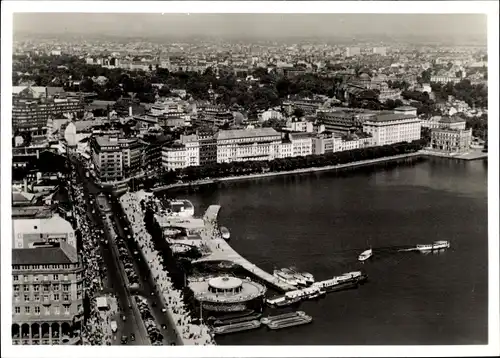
x=301, y=280
x=306, y=275
x=290, y=322
x=436, y=245
x=286, y=320
x=223, y=322
x=282, y=301
x=225, y=233
x=365, y=255
x=229, y=316
x=289, y=279
x=237, y=327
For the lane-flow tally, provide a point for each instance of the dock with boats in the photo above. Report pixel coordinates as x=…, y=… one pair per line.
x=318, y=289
x=220, y=250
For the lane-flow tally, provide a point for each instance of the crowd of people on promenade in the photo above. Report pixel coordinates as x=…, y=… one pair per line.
x=94, y=272
x=186, y=330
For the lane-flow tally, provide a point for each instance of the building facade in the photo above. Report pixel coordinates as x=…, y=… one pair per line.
x=392, y=128
x=247, y=144
x=208, y=146
x=116, y=158
x=31, y=114
x=451, y=140
x=181, y=154
x=301, y=144
x=48, y=290
x=326, y=142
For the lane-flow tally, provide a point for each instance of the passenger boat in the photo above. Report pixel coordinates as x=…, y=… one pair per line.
x=301, y=280
x=365, y=255
x=283, y=301
x=238, y=327
x=284, y=277
x=290, y=322
x=223, y=322
x=225, y=233
x=436, y=245
x=309, y=278
x=229, y=316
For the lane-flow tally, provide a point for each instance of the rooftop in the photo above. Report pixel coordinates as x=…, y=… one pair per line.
x=55, y=224
x=246, y=133
x=47, y=255
x=390, y=117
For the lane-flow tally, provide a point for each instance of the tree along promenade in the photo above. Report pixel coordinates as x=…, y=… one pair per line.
x=355, y=164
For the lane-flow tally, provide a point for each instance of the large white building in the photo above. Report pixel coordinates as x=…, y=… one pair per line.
x=247, y=144
x=181, y=154
x=301, y=144
x=389, y=128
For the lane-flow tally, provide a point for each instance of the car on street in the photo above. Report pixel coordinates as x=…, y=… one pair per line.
x=132, y=337
x=124, y=339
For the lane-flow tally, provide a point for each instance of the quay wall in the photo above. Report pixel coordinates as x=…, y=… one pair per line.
x=356, y=164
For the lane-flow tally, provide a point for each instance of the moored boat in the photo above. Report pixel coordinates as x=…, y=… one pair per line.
x=223, y=322
x=238, y=327
x=284, y=277
x=225, y=233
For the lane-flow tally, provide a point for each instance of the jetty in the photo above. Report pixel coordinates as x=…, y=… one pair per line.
x=220, y=250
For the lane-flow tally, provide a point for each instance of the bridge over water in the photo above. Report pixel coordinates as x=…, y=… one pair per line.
x=220, y=250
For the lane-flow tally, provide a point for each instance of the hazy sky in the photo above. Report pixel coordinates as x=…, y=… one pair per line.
x=261, y=25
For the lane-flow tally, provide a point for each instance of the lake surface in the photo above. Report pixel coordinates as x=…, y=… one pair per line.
x=321, y=222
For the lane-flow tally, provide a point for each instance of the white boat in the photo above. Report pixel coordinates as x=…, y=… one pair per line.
x=305, y=275
x=284, y=277
x=301, y=280
x=365, y=255
x=225, y=233
x=436, y=245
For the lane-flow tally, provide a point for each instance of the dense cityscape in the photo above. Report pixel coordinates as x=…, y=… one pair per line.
x=107, y=130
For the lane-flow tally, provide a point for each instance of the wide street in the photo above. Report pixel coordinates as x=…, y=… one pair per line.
x=116, y=275
x=115, y=282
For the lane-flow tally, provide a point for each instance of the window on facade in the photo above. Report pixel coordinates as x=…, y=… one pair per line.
x=36, y=288
x=66, y=309
x=55, y=287
x=56, y=310
x=47, y=310
x=46, y=288
x=27, y=310
x=26, y=298
x=66, y=297
x=37, y=309
x=15, y=277
x=56, y=297
x=36, y=298
x=65, y=288
x=16, y=288
x=17, y=310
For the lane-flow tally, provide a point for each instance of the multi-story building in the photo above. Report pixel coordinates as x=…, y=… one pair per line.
x=344, y=122
x=445, y=79
x=116, y=158
x=285, y=149
x=355, y=142
x=326, y=142
x=152, y=151
x=389, y=128
x=451, y=136
x=247, y=144
x=181, y=154
x=301, y=144
x=31, y=114
x=48, y=292
x=301, y=126
x=52, y=229
x=451, y=140
x=214, y=116
x=208, y=146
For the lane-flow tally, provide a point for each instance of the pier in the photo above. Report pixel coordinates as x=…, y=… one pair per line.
x=220, y=250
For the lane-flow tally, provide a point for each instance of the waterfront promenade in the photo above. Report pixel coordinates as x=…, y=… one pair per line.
x=187, y=331
x=220, y=250
x=360, y=163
